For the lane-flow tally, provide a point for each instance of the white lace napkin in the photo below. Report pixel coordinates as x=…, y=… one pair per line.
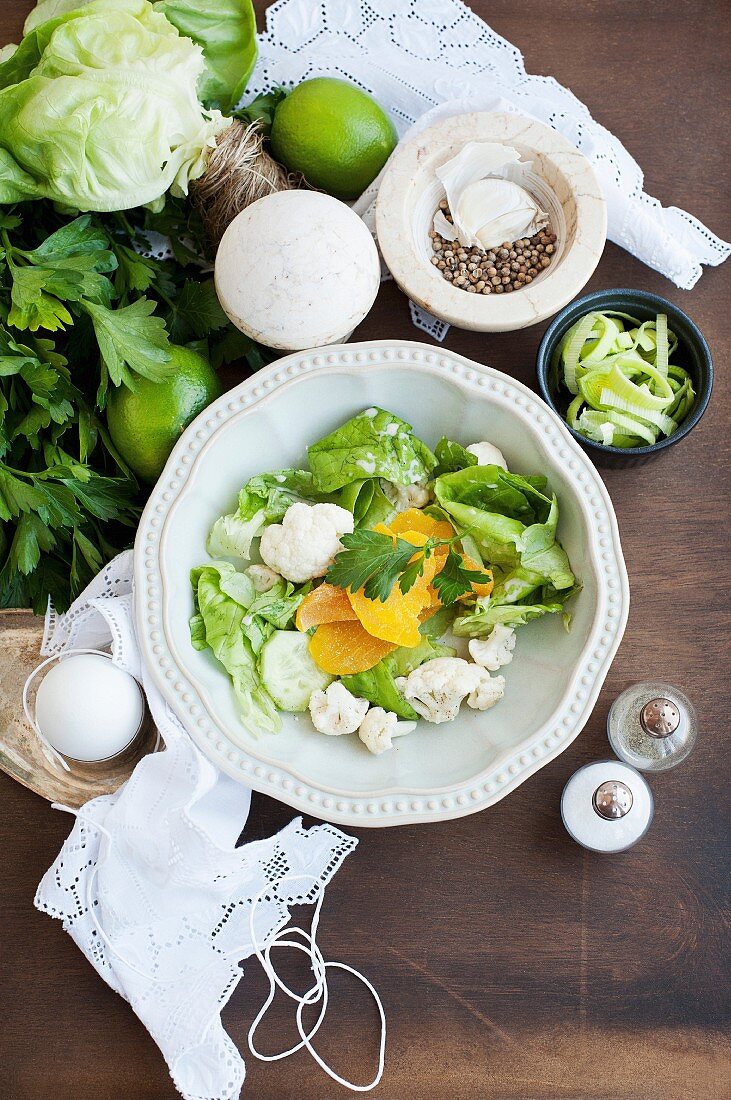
x=150, y=884
x=416, y=55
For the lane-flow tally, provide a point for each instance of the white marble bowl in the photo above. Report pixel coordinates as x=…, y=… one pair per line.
x=437, y=772
x=563, y=182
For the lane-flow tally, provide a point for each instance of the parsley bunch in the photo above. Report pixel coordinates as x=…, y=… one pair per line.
x=375, y=562
x=81, y=310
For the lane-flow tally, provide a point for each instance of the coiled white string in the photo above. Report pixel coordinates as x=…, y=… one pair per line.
x=308, y=946
x=319, y=990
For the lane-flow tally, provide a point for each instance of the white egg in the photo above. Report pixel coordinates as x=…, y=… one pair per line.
x=297, y=269
x=87, y=708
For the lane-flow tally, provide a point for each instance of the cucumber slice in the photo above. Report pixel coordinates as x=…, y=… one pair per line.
x=288, y=672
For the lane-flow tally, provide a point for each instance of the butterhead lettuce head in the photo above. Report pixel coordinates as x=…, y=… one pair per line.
x=99, y=110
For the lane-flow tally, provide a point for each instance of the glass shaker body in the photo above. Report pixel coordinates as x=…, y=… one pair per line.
x=652, y=726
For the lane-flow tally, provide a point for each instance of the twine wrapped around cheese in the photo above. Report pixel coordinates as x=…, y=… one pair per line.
x=239, y=172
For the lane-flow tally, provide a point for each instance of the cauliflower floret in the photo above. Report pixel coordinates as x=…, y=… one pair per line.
x=378, y=728
x=488, y=691
x=436, y=689
x=487, y=454
x=262, y=577
x=337, y=710
x=407, y=496
x=496, y=650
x=304, y=544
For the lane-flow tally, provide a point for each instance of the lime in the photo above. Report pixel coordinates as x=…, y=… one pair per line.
x=334, y=134
x=147, y=423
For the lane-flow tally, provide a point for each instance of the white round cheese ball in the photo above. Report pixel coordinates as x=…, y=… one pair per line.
x=297, y=269
x=87, y=708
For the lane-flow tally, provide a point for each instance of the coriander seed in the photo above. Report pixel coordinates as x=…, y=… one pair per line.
x=504, y=269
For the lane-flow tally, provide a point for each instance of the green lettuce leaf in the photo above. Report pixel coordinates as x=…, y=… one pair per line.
x=231, y=536
x=220, y=610
x=515, y=585
x=479, y=622
x=226, y=29
x=511, y=519
x=272, y=610
x=263, y=500
x=46, y=10
x=452, y=456
x=492, y=489
x=375, y=443
x=77, y=141
x=378, y=684
x=513, y=523
x=357, y=498
x=279, y=604
x=437, y=625
x=380, y=508
x=277, y=490
x=540, y=552
x=198, y=632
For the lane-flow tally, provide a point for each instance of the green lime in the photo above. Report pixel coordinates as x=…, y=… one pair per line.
x=146, y=424
x=334, y=134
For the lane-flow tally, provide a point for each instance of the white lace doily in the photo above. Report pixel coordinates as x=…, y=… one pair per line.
x=150, y=884
x=415, y=55
x=426, y=59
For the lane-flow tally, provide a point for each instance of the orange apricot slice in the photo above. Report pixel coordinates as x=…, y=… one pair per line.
x=477, y=589
x=396, y=619
x=344, y=648
x=393, y=620
x=414, y=520
x=382, y=529
x=325, y=604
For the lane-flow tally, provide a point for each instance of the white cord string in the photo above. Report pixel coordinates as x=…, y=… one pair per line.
x=319, y=991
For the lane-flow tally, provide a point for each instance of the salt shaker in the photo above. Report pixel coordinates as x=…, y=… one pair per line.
x=652, y=726
x=607, y=806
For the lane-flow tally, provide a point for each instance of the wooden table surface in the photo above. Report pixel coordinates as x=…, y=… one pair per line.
x=511, y=963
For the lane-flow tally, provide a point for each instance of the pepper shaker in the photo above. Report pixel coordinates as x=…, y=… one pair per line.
x=652, y=726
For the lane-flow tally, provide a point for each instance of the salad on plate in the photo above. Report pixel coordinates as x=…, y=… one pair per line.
x=346, y=589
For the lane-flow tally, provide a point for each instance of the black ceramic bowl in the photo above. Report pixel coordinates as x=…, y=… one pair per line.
x=692, y=353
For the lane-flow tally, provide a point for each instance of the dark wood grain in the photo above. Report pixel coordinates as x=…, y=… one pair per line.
x=511, y=963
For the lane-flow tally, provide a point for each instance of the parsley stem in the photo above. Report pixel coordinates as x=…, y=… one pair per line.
x=168, y=301
x=10, y=250
x=17, y=473
x=124, y=221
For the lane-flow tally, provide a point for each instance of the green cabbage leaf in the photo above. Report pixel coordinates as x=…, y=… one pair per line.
x=99, y=109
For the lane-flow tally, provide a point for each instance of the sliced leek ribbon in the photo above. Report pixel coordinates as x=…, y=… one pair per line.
x=625, y=390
